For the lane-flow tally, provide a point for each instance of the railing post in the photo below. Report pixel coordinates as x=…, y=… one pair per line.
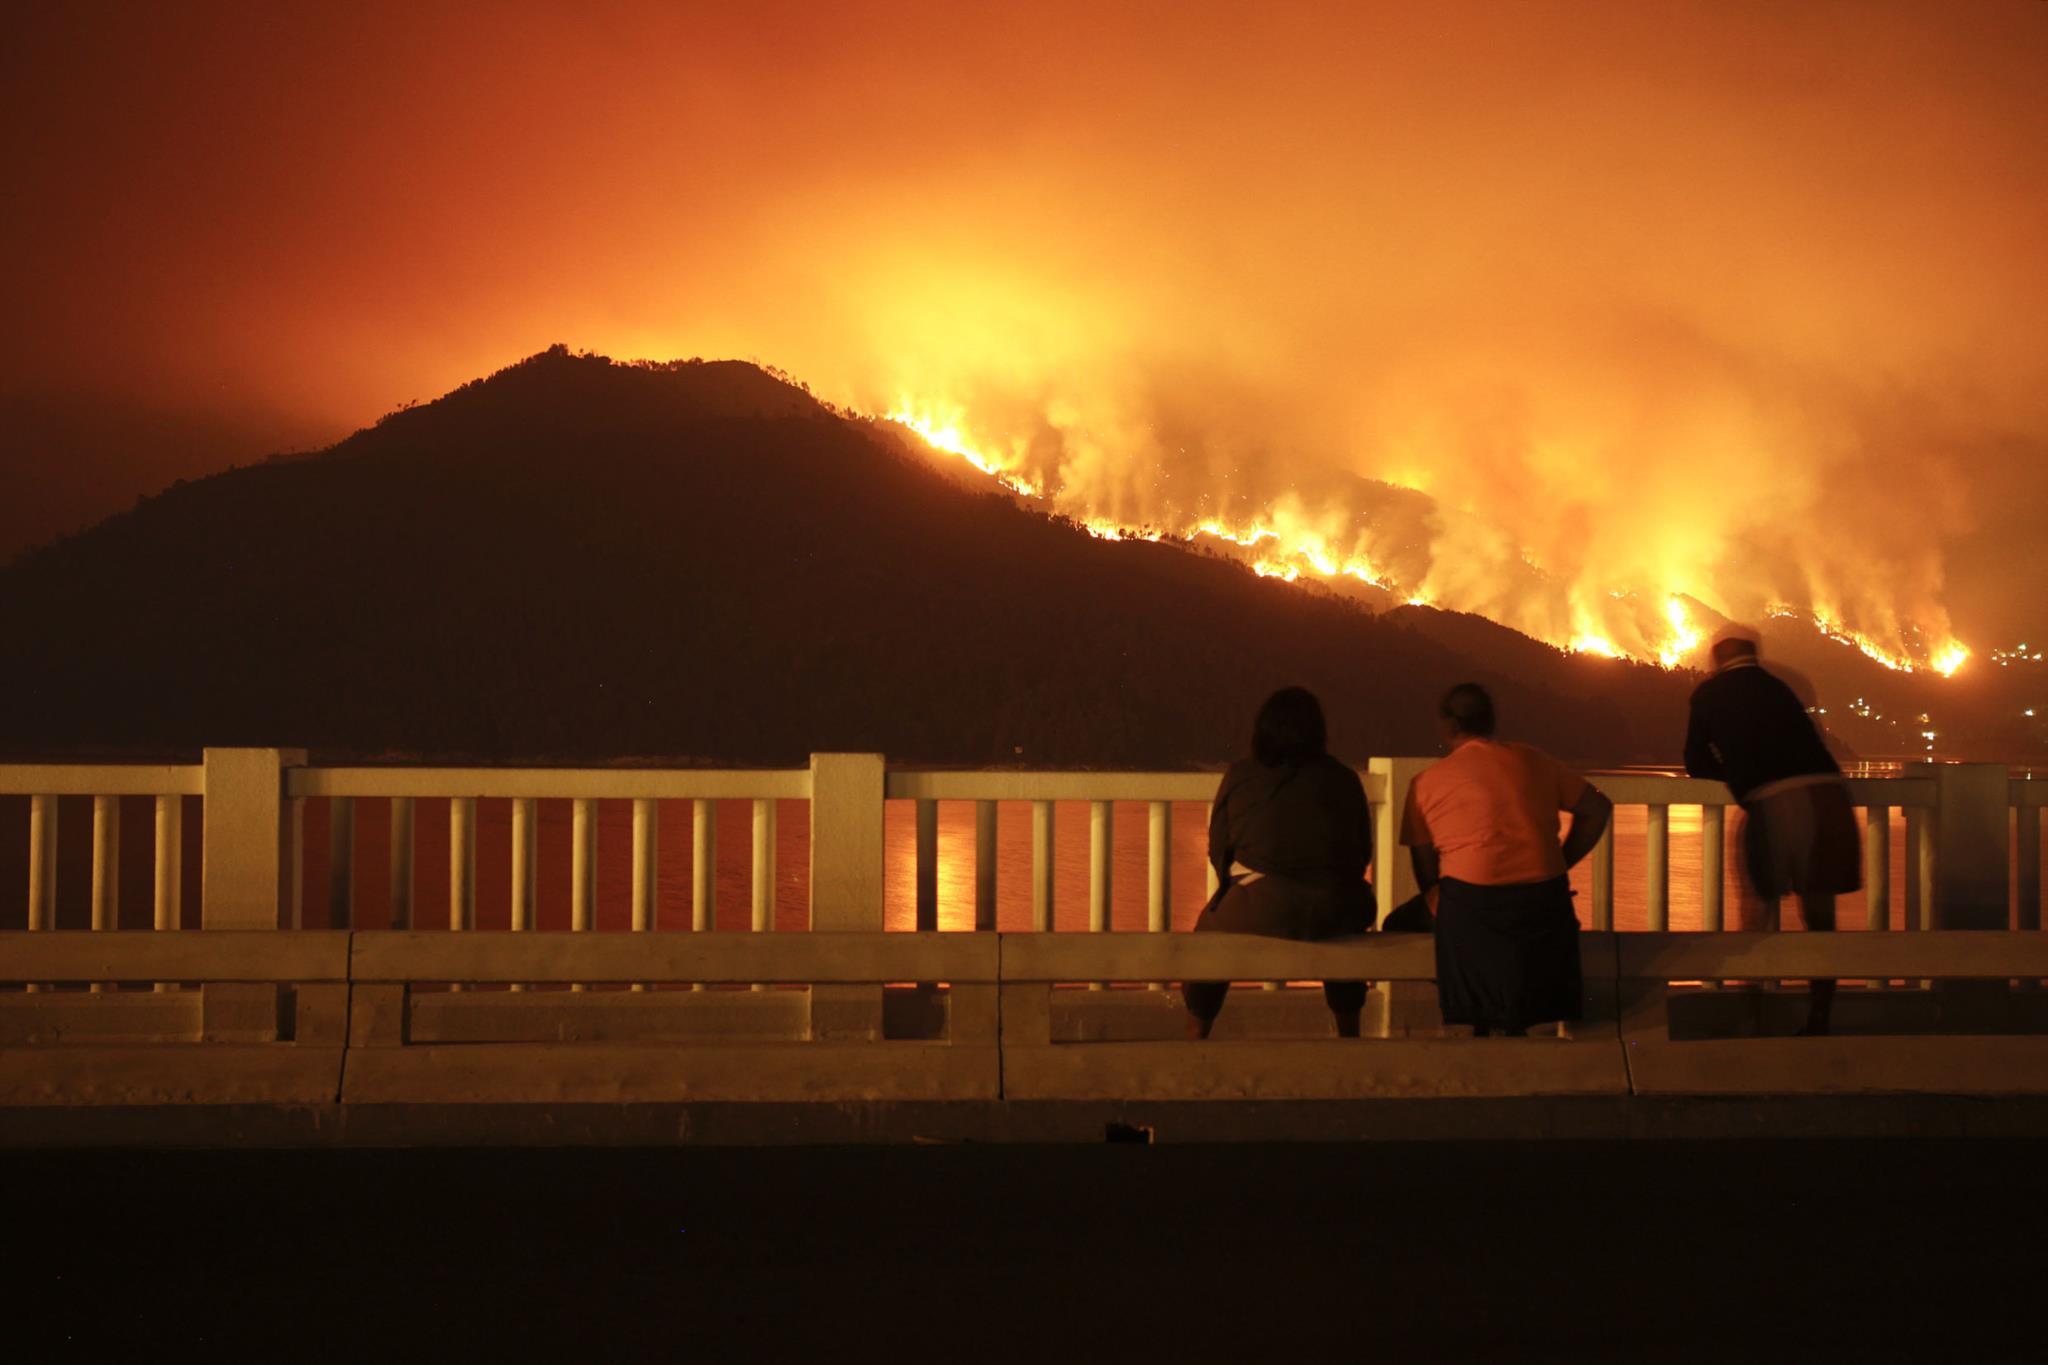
x=847, y=844
x=764, y=868
x=763, y=886
x=927, y=866
x=1393, y=875
x=462, y=862
x=249, y=871
x=1159, y=869
x=42, y=862
x=1041, y=866
x=245, y=860
x=341, y=862
x=1159, y=873
x=106, y=862
x=646, y=863
x=1657, y=867
x=1965, y=860
x=1713, y=866
x=106, y=868
x=295, y=862
x=1968, y=841
x=582, y=869
x=1396, y=1007
x=2027, y=892
x=582, y=864
x=1101, y=865
x=985, y=866
x=646, y=868
x=1602, y=859
x=42, y=867
x=1877, y=868
x=525, y=862
x=703, y=869
x=1914, y=891
x=703, y=865
x=403, y=861
x=2027, y=821
x=168, y=892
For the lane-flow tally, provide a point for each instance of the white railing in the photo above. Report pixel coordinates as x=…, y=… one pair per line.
x=105, y=784
x=254, y=803
x=1157, y=791
x=2027, y=798
x=463, y=788
x=1877, y=797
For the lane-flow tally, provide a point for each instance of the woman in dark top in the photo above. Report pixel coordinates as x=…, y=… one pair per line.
x=1290, y=837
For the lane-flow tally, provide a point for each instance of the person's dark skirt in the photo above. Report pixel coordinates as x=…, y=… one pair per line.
x=1285, y=907
x=1507, y=956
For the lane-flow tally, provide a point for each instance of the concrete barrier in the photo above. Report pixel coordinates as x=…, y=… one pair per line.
x=334, y=1017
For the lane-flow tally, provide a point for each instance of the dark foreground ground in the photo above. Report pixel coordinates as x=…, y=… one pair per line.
x=1646, y=1251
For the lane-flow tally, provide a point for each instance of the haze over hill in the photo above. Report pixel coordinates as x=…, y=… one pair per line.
x=577, y=559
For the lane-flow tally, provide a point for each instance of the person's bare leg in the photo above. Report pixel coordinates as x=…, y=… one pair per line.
x=1818, y=912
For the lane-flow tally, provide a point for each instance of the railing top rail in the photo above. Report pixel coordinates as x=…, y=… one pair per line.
x=1240, y=957
x=1905, y=792
x=547, y=783
x=1932, y=953
x=295, y=955
x=1648, y=789
x=820, y=957
x=102, y=779
x=1002, y=784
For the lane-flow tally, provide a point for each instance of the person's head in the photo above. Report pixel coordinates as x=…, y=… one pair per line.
x=1466, y=712
x=1733, y=647
x=1289, y=729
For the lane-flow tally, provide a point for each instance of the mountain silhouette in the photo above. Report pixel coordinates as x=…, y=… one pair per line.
x=579, y=560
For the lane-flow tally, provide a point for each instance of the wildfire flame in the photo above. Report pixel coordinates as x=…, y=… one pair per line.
x=1594, y=644
x=1944, y=659
x=944, y=433
x=1289, y=543
x=1949, y=658
x=1684, y=639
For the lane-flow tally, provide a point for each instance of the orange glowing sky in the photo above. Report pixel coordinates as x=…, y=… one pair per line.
x=1739, y=300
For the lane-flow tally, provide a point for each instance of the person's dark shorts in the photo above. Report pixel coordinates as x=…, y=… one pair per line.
x=1803, y=842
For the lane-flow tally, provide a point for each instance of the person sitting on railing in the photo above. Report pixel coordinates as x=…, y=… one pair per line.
x=1290, y=837
x=1749, y=729
x=1482, y=827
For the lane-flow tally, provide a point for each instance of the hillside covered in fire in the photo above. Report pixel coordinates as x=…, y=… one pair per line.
x=579, y=560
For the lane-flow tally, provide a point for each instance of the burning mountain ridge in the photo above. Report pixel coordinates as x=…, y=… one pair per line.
x=1386, y=543
x=577, y=559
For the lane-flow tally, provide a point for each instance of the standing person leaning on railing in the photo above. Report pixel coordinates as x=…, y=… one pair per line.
x=1749, y=729
x=1290, y=837
x=1482, y=826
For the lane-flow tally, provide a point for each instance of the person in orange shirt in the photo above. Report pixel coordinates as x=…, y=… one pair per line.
x=1482, y=827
